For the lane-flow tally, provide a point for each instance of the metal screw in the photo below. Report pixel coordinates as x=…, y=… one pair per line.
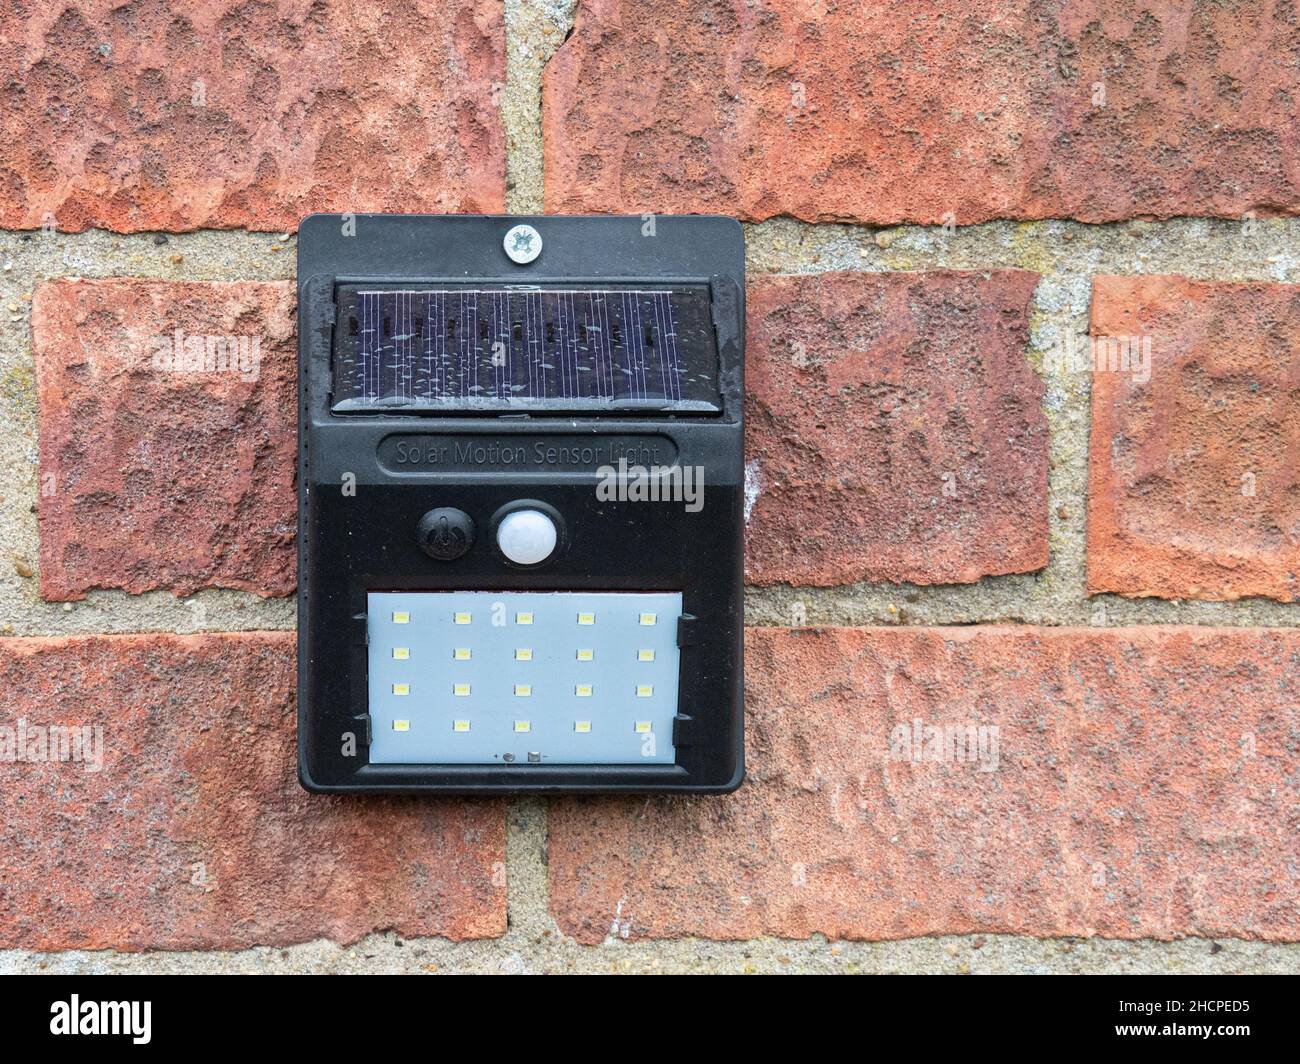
x=523, y=243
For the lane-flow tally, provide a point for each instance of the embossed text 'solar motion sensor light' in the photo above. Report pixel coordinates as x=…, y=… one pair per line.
x=520, y=503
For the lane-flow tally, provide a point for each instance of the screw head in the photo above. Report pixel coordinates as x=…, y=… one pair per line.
x=445, y=533
x=523, y=243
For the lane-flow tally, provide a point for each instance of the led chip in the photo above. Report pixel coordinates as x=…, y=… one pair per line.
x=586, y=618
x=401, y=688
x=643, y=727
x=582, y=726
x=523, y=690
x=401, y=617
x=644, y=690
x=583, y=690
x=523, y=726
x=460, y=725
x=586, y=655
x=462, y=618
x=401, y=725
x=460, y=689
x=461, y=653
x=523, y=654
x=523, y=618
x=645, y=655
x=401, y=653
x=649, y=618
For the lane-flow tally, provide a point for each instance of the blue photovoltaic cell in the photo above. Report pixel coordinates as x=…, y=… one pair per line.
x=502, y=347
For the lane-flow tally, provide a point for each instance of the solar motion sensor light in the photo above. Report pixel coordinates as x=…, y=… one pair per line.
x=520, y=504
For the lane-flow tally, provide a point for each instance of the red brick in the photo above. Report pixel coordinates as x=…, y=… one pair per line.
x=1194, y=473
x=956, y=110
x=195, y=833
x=897, y=428
x=1145, y=788
x=223, y=114
x=152, y=478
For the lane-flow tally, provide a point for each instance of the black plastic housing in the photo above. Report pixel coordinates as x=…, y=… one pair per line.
x=351, y=544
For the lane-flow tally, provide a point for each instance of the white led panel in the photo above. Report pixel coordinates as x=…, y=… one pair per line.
x=561, y=678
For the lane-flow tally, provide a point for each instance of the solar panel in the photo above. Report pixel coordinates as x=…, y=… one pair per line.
x=449, y=348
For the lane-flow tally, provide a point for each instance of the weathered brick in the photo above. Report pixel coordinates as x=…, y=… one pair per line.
x=1194, y=468
x=223, y=114
x=153, y=475
x=1145, y=787
x=895, y=429
x=195, y=834
x=959, y=111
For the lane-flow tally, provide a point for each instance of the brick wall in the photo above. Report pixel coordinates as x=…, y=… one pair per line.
x=1023, y=469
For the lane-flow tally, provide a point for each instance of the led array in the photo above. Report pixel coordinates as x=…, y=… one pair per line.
x=489, y=673
x=524, y=690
